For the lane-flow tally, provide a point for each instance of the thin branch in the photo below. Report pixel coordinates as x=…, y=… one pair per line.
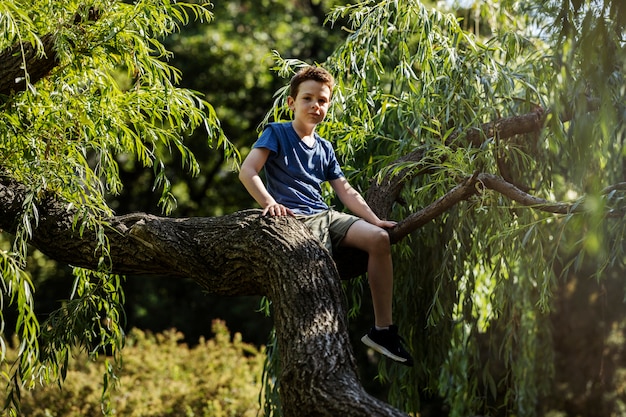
x=479, y=182
x=492, y=182
x=495, y=183
x=620, y=186
x=416, y=220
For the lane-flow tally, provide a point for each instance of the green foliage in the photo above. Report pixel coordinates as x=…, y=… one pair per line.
x=474, y=287
x=161, y=377
x=78, y=119
x=227, y=61
x=112, y=97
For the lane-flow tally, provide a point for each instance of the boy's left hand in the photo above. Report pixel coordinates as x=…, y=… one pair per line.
x=386, y=224
x=276, y=209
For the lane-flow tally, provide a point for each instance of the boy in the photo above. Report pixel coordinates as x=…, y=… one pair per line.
x=297, y=161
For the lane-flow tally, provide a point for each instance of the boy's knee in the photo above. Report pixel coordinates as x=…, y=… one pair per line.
x=380, y=241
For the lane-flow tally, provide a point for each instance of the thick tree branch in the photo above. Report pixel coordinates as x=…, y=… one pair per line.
x=144, y=244
x=238, y=254
x=245, y=253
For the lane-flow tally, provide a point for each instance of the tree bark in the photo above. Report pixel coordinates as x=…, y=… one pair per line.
x=239, y=254
x=248, y=254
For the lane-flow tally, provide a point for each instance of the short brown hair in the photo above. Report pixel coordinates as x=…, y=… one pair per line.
x=310, y=73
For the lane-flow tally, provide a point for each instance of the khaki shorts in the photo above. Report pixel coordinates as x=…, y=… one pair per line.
x=329, y=226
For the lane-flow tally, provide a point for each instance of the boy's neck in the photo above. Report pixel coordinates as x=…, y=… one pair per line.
x=303, y=130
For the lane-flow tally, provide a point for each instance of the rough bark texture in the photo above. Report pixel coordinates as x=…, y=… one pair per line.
x=239, y=254
x=248, y=254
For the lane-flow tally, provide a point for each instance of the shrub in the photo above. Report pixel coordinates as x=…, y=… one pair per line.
x=162, y=377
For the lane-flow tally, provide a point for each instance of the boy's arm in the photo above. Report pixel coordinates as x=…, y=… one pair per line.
x=249, y=177
x=357, y=204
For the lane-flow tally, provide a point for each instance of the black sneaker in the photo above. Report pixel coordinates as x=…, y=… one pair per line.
x=389, y=344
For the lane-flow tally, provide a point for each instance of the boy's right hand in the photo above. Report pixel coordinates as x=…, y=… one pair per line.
x=277, y=210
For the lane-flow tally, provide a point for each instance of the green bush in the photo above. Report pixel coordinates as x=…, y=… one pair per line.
x=162, y=377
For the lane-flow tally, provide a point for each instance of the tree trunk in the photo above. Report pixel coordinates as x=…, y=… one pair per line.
x=240, y=254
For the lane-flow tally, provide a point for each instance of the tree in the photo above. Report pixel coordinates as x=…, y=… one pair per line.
x=472, y=143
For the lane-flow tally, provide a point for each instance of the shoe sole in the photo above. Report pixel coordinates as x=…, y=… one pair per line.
x=381, y=349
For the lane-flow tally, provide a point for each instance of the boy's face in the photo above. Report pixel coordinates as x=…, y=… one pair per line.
x=311, y=102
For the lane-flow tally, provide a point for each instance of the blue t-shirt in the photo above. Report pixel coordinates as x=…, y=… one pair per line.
x=294, y=172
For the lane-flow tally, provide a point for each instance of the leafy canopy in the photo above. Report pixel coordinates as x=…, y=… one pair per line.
x=474, y=287
x=112, y=97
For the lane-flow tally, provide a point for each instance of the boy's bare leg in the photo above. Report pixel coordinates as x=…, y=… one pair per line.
x=375, y=241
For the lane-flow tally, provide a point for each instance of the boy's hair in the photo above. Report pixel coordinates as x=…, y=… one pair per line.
x=318, y=74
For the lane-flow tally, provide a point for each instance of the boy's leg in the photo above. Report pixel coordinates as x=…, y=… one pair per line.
x=375, y=241
x=383, y=337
